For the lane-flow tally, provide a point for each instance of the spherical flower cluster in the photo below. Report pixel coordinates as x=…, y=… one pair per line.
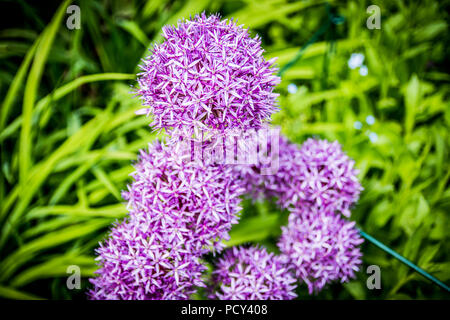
x=251, y=273
x=327, y=178
x=178, y=211
x=139, y=263
x=278, y=183
x=207, y=74
x=320, y=246
x=317, y=174
x=188, y=200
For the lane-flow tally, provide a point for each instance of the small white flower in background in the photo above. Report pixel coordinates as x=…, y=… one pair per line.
x=292, y=88
x=363, y=71
x=356, y=60
x=373, y=137
x=370, y=119
x=357, y=125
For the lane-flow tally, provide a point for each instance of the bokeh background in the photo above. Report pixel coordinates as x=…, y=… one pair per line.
x=68, y=132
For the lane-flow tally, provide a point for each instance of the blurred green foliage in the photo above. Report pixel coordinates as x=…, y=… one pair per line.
x=68, y=132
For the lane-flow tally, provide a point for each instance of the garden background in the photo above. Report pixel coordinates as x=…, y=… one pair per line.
x=69, y=134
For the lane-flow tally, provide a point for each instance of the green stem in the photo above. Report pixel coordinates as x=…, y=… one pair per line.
x=332, y=19
x=404, y=260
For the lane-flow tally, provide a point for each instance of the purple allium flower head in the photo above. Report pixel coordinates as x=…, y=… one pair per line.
x=278, y=184
x=320, y=246
x=137, y=262
x=251, y=273
x=207, y=74
x=327, y=177
x=316, y=174
x=183, y=200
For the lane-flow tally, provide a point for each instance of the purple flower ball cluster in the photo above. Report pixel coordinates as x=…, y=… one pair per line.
x=327, y=177
x=140, y=264
x=208, y=83
x=178, y=211
x=188, y=200
x=316, y=174
x=251, y=273
x=278, y=185
x=207, y=74
x=321, y=247
x=316, y=183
